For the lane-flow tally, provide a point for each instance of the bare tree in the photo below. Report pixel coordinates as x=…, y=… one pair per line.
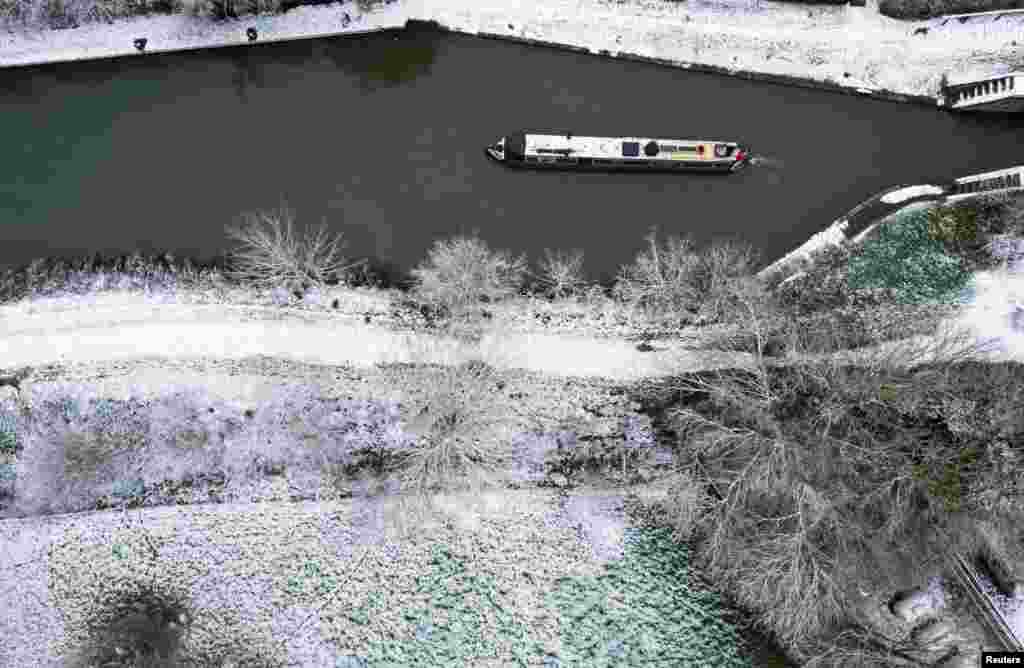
x=813, y=480
x=561, y=273
x=461, y=272
x=274, y=255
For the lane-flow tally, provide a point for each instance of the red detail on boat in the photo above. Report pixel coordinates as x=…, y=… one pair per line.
x=740, y=155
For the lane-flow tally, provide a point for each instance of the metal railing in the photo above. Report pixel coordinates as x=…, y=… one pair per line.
x=1000, y=181
x=982, y=90
x=988, y=613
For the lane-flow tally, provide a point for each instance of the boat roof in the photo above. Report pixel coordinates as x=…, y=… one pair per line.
x=613, y=147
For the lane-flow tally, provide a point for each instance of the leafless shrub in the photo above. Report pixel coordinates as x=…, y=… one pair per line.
x=687, y=505
x=680, y=282
x=454, y=426
x=858, y=647
x=462, y=272
x=273, y=255
x=661, y=279
x=728, y=268
x=561, y=273
x=19, y=14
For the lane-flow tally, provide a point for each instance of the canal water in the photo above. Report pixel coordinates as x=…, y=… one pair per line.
x=381, y=137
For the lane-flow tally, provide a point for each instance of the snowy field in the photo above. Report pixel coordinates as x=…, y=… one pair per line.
x=851, y=46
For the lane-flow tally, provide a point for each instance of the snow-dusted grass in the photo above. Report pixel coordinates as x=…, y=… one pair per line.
x=293, y=574
x=487, y=583
x=77, y=448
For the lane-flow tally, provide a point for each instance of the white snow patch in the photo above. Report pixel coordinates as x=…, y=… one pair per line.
x=909, y=193
x=996, y=313
x=1011, y=607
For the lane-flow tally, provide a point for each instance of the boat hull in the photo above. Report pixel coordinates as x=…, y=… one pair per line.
x=585, y=165
x=568, y=152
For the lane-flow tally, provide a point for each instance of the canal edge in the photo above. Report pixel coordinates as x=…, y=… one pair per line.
x=751, y=75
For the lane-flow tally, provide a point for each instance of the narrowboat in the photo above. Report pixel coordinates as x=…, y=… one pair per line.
x=553, y=151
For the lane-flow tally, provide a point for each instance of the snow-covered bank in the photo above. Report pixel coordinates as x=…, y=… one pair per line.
x=853, y=48
x=183, y=32
x=833, y=235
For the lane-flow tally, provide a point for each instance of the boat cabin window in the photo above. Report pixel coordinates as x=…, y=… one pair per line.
x=630, y=149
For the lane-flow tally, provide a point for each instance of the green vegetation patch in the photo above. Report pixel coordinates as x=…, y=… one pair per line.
x=642, y=610
x=645, y=610
x=905, y=258
x=9, y=442
x=453, y=617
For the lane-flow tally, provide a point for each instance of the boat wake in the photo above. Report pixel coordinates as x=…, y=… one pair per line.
x=765, y=161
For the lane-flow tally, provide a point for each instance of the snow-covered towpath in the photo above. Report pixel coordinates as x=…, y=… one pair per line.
x=125, y=327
